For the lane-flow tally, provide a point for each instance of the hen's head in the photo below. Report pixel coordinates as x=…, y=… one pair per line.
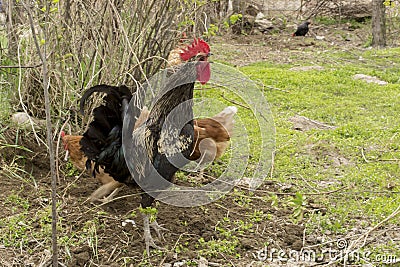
x=199, y=51
x=65, y=143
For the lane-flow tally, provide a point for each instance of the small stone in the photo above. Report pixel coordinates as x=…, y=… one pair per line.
x=369, y=79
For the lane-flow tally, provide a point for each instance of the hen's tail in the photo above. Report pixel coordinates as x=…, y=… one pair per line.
x=102, y=141
x=225, y=117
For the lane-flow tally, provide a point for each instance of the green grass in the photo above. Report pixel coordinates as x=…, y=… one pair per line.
x=366, y=138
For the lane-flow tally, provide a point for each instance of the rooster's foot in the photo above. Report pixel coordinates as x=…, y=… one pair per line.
x=147, y=235
x=94, y=199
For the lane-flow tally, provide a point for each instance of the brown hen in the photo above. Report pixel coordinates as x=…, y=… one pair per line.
x=110, y=187
x=211, y=136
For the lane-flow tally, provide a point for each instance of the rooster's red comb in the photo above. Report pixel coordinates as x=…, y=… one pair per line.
x=62, y=134
x=198, y=46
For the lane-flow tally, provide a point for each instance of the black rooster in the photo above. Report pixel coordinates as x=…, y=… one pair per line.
x=302, y=29
x=167, y=132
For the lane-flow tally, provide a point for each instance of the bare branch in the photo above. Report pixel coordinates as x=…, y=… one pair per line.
x=21, y=67
x=42, y=55
x=234, y=102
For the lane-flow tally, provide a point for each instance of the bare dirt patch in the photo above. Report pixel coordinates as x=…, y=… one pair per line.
x=282, y=48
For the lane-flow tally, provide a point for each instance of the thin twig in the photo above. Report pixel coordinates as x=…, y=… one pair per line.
x=294, y=194
x=389, y=160
x=313, y=188
x=377, y=160
x=391, y=216
x=363, y=155
x=272, y=164
x=38, y=140
x=45, y=81
x=112, y=253
x=57, y=148
x=234, y=102
x=364, y=236
x=275, y=88
x=21, y=67
x=281, y=193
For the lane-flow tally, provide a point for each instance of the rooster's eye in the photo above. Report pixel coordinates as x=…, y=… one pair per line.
x=201, y=58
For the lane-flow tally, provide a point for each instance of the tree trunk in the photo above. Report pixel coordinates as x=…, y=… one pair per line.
x=378, y=23
x=67, y=12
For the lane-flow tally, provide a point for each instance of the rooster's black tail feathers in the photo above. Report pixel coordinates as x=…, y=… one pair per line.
x=114, y=93
x=102, y=142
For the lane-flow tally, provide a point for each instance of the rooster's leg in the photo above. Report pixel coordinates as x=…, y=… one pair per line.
x=147, y=235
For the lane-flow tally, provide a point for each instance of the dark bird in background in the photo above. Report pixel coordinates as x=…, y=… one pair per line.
x=302, y=29
x=102, y=142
